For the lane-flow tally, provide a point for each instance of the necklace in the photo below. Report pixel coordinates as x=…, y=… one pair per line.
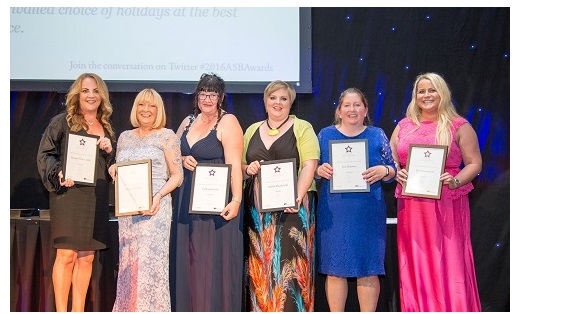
x=275, y=131
x=90, y=122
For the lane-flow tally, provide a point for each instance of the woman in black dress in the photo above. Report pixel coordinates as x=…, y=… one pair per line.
x=79, y=213
x=207, y=271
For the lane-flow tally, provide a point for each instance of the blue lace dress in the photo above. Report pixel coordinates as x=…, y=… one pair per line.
x=144, y=240
x=351, y=227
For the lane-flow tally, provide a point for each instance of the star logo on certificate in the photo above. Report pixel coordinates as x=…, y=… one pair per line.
x=427, y=153
x=211, y=173
x=82, y=142
x=348, y=149
x=277, y=169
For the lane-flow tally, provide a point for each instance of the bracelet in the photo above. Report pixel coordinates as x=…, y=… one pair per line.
x=236, y=199
x=456, y=182
x=161, y=196
x=386, y=171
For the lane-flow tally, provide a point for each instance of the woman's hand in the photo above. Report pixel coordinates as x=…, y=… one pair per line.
x=112, y=171
x=402, y=176
x=105, y=144
x=231, y=210
x=67, y=182
x=374, y=174
x=155, y=205
x=448, y=179
x=290, y=210
x=253, y=168
x=189, y=162
x=324, y=171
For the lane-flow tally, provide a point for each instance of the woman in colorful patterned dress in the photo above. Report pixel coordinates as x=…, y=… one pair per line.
x=436, y=263
x=280, y=245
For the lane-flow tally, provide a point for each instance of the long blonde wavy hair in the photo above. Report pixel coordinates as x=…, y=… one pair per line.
x=75, y=118
x=446, y=111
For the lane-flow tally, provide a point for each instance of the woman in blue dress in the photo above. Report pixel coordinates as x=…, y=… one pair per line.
x=351, y=227
x=207, y=270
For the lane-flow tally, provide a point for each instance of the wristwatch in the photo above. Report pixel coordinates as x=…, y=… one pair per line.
x=456, y=182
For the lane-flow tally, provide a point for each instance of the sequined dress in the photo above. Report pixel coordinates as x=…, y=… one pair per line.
x=143, y=273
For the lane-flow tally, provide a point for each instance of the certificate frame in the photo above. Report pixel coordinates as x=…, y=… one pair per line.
x=351, y=155
x=425, y=165
x=277, y=185
x=210, y=188
x=133, y=187
x=80, y=162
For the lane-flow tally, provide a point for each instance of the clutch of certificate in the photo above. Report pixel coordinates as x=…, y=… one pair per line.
x=277, y=185
x=349, y=159
x=80, y=158
x=133, y=187
x=425, y=166
x=210, y=188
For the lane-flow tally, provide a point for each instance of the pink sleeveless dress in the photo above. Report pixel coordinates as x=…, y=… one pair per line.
x=436, y=263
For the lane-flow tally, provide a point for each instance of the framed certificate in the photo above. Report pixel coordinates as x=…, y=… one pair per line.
x=133, y=187
x=277, y=188
x=349, y=159
x=80, y=158
x=210, y=188
x=425, y=166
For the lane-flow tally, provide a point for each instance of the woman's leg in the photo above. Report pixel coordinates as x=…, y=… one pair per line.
x=62, y=274
x=368, y=293
x=336, y=293
x=81, y=277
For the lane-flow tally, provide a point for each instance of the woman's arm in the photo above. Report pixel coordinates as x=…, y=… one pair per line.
x=400, y=174
x=171, y=148
x=467, y=140
x=181, y=127
x=305, y=178
x=232, y=140
x=48, y=155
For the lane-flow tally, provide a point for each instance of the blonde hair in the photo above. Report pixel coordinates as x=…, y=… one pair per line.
x=276, y=85
x=352, y=90
x=152, y=96
x=75, y=119
x=446, y=111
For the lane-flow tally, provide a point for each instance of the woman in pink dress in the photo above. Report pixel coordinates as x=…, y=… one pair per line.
x=436, y=264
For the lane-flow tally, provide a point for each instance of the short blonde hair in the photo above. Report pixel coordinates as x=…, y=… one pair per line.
x=152, y=96
x=277, y=85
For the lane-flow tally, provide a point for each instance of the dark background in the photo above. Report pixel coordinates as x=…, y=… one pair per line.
x=380, y=51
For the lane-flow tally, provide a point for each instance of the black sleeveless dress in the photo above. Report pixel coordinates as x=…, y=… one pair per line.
x=79, y=214
x=207, y=270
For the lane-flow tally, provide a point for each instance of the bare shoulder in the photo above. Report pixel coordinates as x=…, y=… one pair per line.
x=229, y=121
x=229, y=117
x=466, y=128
